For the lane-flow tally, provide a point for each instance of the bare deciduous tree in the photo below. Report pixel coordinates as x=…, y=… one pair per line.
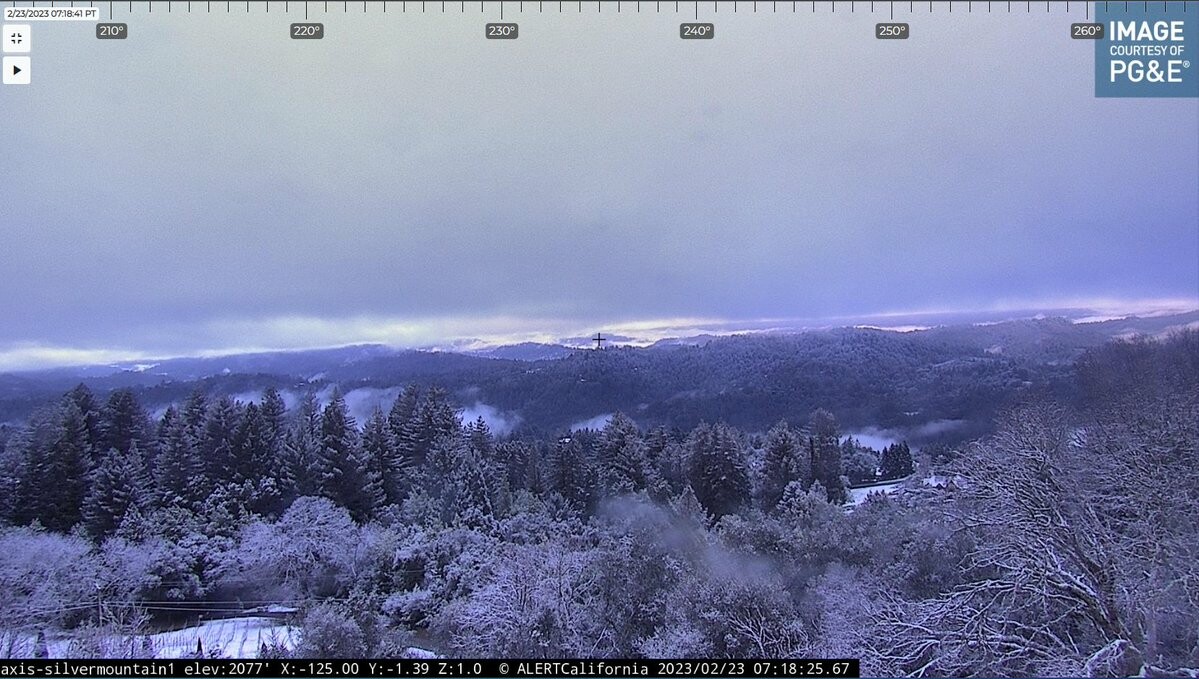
x=1086, y=557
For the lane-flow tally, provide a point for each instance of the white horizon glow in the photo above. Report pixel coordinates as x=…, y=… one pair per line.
x=465, y=333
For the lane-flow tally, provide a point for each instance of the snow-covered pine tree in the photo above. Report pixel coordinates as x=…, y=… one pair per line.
x=255, y=464
x=56, y=478
x=825, y=451
x=896, y=461
x=785, y=460
x=178, y=469
x=83, y=399
x=629, y=470
x=672, y=466
x=195, y=411
x=216, y=442
x=250, y=447
x=350, y=482
x=688, y=508
x=304, y=449
x=435, y=420
x=384, y=459
x=657, y=440
x=117, y=487
x=472, y=491
x=443, y=458
x=535, y=477
x=571, y=473
x=402, y=421
x=717, y=469
x=277, y=465
x=274, y=412
x=624, y=465
x=123, y=423
x=517, y=462
x=480, y=438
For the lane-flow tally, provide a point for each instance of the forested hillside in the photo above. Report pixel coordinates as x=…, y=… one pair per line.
x=908, y=382
x=1064, y=543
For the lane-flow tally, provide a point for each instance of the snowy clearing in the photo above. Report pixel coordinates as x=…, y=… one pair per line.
x=232, y=637
x=858, y=495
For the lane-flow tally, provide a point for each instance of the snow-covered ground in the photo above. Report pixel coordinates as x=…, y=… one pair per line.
x=233, y=638
x=858, y=495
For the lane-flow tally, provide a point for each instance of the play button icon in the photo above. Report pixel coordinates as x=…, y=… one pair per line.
x=16, y=70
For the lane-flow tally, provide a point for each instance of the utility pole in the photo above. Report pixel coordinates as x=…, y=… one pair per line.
x=99, y=605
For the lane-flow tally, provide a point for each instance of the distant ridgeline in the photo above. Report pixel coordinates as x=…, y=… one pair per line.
x=902, y=382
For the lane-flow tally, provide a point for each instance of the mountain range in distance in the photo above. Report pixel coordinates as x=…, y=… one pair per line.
x=872, y=377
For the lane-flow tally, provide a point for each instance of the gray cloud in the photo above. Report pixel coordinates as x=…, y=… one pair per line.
x=406, y=181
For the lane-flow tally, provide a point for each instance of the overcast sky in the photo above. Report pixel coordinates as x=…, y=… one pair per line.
x=211, y=185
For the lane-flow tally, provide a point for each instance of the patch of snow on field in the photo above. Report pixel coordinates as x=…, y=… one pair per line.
x=417, y=653
x=233, y=637
x=858, y=495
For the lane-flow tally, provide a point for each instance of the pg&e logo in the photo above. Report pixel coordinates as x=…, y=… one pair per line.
x=1148, y=50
